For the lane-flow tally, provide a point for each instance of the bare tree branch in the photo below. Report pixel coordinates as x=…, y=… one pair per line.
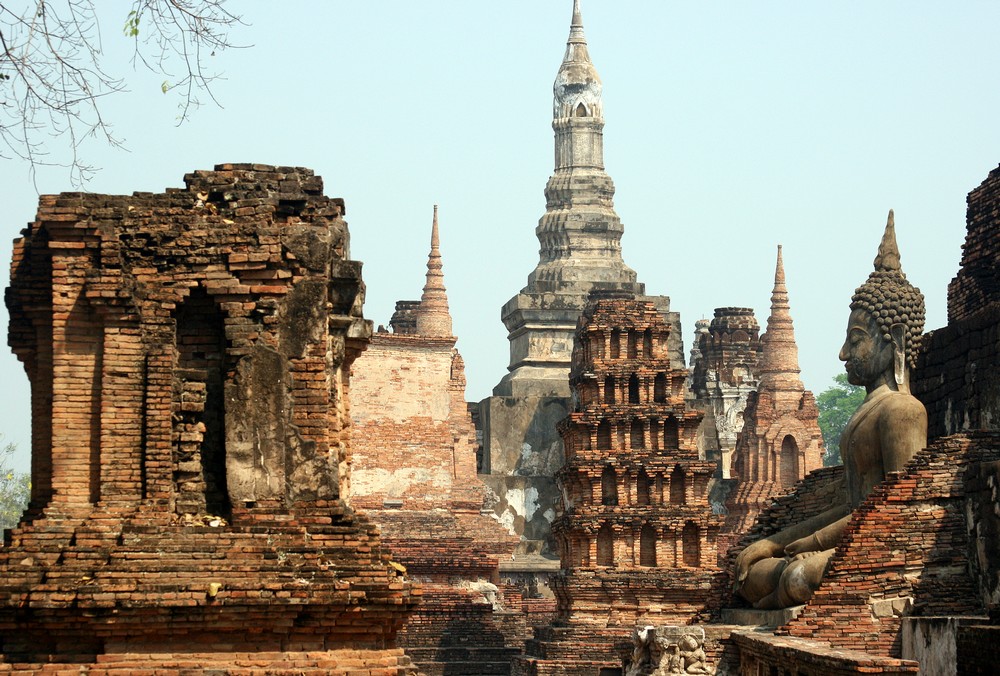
x=52, y=79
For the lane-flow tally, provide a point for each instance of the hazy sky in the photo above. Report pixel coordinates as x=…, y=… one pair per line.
x=730, y=128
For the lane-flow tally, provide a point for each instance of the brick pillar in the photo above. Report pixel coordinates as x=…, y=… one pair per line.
x=159, y=430
x=122, y=378
x=76, y=387
x=664, y=553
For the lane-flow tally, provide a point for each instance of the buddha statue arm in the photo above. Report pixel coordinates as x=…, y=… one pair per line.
x=902, y=432
x=824, y=538
x=775, y=545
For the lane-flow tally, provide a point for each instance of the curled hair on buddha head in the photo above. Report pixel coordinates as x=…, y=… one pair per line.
x=889, y=297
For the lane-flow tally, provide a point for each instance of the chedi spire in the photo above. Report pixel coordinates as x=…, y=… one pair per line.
x=433, y=316
x=577, y=89
x=576, y=25
x=779, y=364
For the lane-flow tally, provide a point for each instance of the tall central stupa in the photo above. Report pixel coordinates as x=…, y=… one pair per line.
x=580, y=252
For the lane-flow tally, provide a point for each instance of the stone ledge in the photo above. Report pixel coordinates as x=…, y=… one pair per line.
x=752, y=617
x=760, y=649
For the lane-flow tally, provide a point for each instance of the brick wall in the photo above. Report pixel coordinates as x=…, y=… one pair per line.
x=414, y=443
x=188, y=354
x=905, y=551
x=414, y=470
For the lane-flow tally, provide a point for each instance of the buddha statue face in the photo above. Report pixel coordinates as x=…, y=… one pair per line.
x=866, y=354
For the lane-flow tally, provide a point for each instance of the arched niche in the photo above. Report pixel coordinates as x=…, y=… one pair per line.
x=605, y=546
x=647, y=546
x=789, y=459
x=609, y=487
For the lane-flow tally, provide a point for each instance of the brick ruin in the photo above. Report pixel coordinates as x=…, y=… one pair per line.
x=188, y=354
x=724, y=361
x=414, y=474
x=780, y=441
x=196, y=469
x=637, y=534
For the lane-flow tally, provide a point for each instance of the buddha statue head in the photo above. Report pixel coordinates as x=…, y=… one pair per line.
x=887, y=319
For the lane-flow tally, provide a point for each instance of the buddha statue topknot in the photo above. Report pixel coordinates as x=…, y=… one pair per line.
x=890, y=426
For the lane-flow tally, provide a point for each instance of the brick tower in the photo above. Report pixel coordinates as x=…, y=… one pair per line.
x=188, y=354
x=580, y=250
x=781, y=440
x=637, y=535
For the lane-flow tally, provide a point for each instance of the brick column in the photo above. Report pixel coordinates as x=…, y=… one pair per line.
x=76, y=382
x=123, y=378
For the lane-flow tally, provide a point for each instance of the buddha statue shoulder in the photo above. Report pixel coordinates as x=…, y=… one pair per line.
x=887, y=429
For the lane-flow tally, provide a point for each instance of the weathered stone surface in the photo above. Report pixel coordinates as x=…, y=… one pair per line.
x=668, y=650
x=188, y=356
x=724, y=361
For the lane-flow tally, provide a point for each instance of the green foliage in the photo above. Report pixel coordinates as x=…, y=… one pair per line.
x=15, y=489
x=836, y=406
x=131, y=29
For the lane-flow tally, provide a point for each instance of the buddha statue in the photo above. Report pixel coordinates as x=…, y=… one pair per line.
x=890, y=426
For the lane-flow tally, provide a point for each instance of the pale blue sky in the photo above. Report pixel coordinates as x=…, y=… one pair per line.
x=731, y=127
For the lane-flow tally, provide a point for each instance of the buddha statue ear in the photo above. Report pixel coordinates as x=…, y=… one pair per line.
x=898, y=333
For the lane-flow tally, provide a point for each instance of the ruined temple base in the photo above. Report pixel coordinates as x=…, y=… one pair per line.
x=582, y=650
x=587, y=650
x=751, y=617
x=460, y=625
x=764, y=653
x=388, y=662
x=307, y=591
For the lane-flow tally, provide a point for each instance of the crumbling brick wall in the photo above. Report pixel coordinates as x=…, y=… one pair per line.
x=958, y=368
x=188, y=354
x=414, y=472
x=414, y=442
x=904, y=552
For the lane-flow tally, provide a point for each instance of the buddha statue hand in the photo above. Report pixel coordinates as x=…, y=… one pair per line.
x=758, y=551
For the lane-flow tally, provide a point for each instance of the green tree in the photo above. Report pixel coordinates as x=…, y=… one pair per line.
x=15, y=489
x=836, y=406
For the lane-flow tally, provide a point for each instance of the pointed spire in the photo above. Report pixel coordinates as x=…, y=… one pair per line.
x=576, y=25
x=435, y=235
x=779, y=295
x=433, y=316
x=779, y=362
x=887, y=259
x=577, y=82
